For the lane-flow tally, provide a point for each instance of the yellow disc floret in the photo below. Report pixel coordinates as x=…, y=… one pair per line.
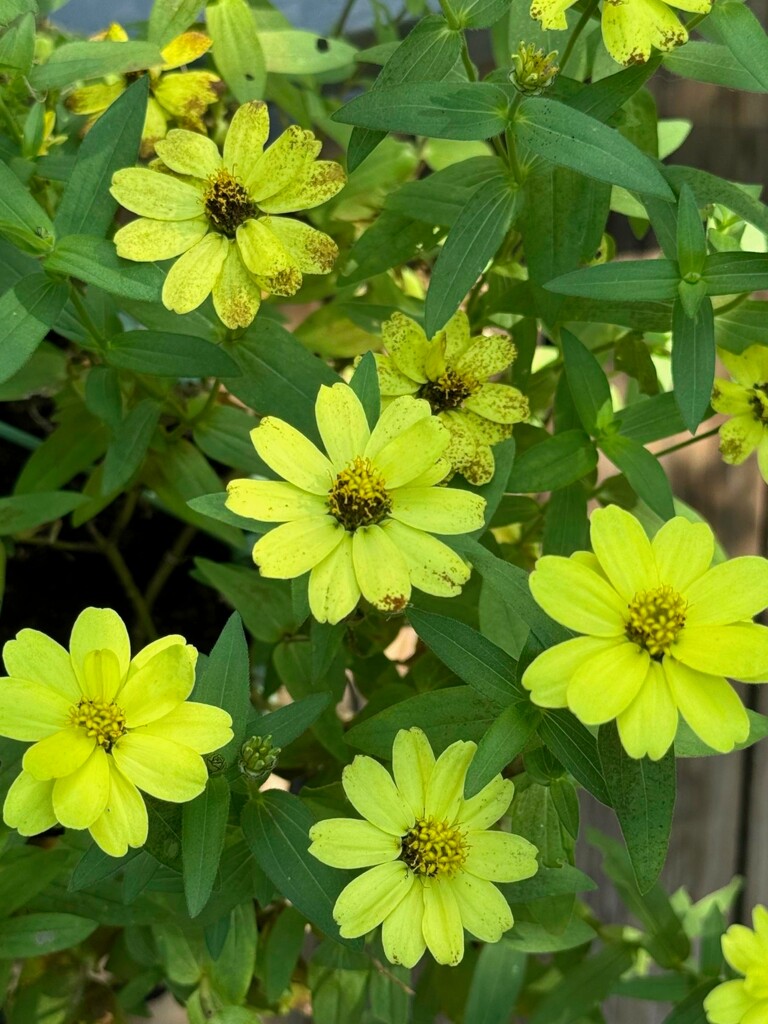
x=102, y=720
x=433, y=848
x=227, y=202
x=359, y=496
x=655, y=619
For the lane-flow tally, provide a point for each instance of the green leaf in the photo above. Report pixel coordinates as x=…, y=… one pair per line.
x=472, y=242
x=214, y=506
x=25, y=872
x=95, y=866
x=95, y=261
x=556, y=462
x=565, y=880
x=566, y=525
x=225, y=681
x=567, y=137
x=726, y=273
x=22, y=220
x=711, y=62
x=169, y=18
x=744, y=36
x=237, y=49
x=26, y=511
x=643, y=472
x=282, y=951
x=169, y=355
x=11, y=9
x=276, y=828
x=78, y=440
x=584, y=986
x=128, y=449
x=39, y=934
x=27, y=312
x=445, y=715
x=534, y=938
x=645, y=280
x=204, y=825
x=365, y=383
x=223, y=434
x=693, y=361
x=505, y=739
x=691, y=237
x=17, y=49
x=643, y=795
x=265, y=605
x=103, y=397
x=73, y=62
x=650, y=419
x=479, y=13
x=472, y=657
x=496, y=984
x=468, y=110
x=588, y=384
x=745, y=325
x=440, y=197
x=691, y=1009
x=296, y=53
x=576, y=749
x=288, y=723
x=113, y=142
x=708, y=188
x=688, y=744
x=392, y=239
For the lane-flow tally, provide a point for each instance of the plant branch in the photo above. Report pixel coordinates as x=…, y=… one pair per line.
x=170, y=561
x=685, y=444
x=112, y=553
x=589, y=10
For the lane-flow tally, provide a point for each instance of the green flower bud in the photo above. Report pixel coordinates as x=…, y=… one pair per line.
x=534, y=71
x=258, y=758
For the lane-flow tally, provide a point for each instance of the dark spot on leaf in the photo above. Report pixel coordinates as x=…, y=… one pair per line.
x=322, y=45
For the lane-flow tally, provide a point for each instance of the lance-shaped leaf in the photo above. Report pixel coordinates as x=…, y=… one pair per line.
x=27, y=313
x=22, y=220
x=711, y=62
x=744, y=36
x=558, y=461
x=631, y=280
x=236, y=48
x=643, y=472
x=82, y=60
x=569, y=138
x=693, y=361
x=708, y=188
x=95, y=261
x=691, y=239
x=588, y=384
x=727, y=273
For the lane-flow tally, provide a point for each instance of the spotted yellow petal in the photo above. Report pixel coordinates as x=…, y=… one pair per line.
x=247, y=133
x=189, y=153
x=320, y=181
x=401, y=933
x=28, y=805
x=333, y=588
x=94, y=99
x=312, y=251
x=155, y=195
x=500, y=403
x=185, y=49
x=739, y=437
x=391, y=380
x=193, y=275
x=433, y=566
x=236, y=293
x=631, y=28
x=124, y=822
x=281, y=163
x=187, y=95
x=265, y=255
x=551, y=13
x=407, y=345
x=273, y=501
x=146, y=240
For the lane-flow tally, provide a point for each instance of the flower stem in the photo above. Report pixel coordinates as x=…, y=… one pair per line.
x=112, y=553
x=580, y=26
x=341, y=21
x=86, y=319
x=685, y=444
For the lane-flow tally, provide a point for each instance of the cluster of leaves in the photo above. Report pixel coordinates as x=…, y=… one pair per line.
x=118, y=408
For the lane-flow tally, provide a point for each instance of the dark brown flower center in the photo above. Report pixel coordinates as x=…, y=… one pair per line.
x=359, y=496
x=447, y=392
x=227, y=203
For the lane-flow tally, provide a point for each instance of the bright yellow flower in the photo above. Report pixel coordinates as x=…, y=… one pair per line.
x=452, y=372
x=360, y=518
x=745, y=1000
x=431, y=858
x=745, y=398
x=103, y=724
x=662, y=630
x=631, y=28
x=221, y=213
x=182, y=98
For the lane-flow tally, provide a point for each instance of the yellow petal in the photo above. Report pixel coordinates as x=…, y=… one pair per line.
x=484, y=911
x=632, y=27
x=683, y=552
x=145, y=240
x=30, y=711
x=391, y=380
x=170, y=771
x=311, y=250
x=333, y=589
x=236, y=293
x=348, y=843
x=468, y=454
x=202, y=727
x=187, y=95
x=371, y=897
x=605, y=685
x=412, y=764
x=319, y=182
x=500, y=403
x=265, y=255
x=401, y=933
x=28, y=805
x=457, y=339
x=193, y=275
x=550, y=674
x=444, y=510
x=551, y=13
x=442, y=927
x=158, y=686
x=59, y=755
x=500, y=856
x=745, y=951
x=407, y=345
x=648, y=726
x=445, y=788
x=739, y=437
x=397, y=417
x=577, y=597
x=623, y=550
x=373, y=794
x=101, y=675
x=94, y=99
x=185, y=49
x=159, y=196
x=273, y=501
x=487, y=356
x=34, y=656
x=411, y=453
x=728, y=1003
x=189, y=153
x=486, y=807
x=79, y=798
x=731, y=398
x=729, y=592
x=381, y=571
x=294, y=548
x=247, y=133
x=155, y=128
x=99, y=629
x=284, y=161
x=342, y=424
x=123, y=822
x=739, y=650
x=293, y=456
x=433, y=566
x=762, y=456
x=709, y=704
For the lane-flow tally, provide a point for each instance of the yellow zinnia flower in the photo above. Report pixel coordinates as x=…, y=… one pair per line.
x=361, y=517
x=431, y=858
x=745, y=1000
x=221, y=214
x=103, y=724
x=183, y=98
x=745, y=398
x=452, y=371
x=662, y=629
x=631, y=28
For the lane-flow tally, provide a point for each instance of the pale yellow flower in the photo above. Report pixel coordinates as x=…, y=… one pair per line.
x=744, y=1000
x=745, y=399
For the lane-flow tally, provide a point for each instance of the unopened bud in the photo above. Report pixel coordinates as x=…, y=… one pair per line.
x=258, y=758
x=534, y=71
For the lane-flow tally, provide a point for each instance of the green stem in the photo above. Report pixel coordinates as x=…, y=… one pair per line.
x=171, y=561
x=19, y=437
x=685, y=444
x=509, y=137
x=123, y=573
x=448, y=14
x=341, y=21
x=11, y=121
x=589, y=10
x=86, y=319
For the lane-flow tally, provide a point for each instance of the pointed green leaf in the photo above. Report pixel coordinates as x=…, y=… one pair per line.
x=588, y=384
x=691, y=239
x=576, y=749
x=744, y=36
x=204, y=825
x=28, y=310
x=83, y=60
x=505, y=739
x=693, y=361
x=645, y=280
x=643, y=472
x=365, y=383
x=169, y=355
x=225, y=681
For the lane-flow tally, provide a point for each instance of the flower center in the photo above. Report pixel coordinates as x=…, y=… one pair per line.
x=434, y=848
x=103, y=721
x=655, y=619
x=447, y=392
x=759, y=402
x=358, y=496
x=227, y=202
